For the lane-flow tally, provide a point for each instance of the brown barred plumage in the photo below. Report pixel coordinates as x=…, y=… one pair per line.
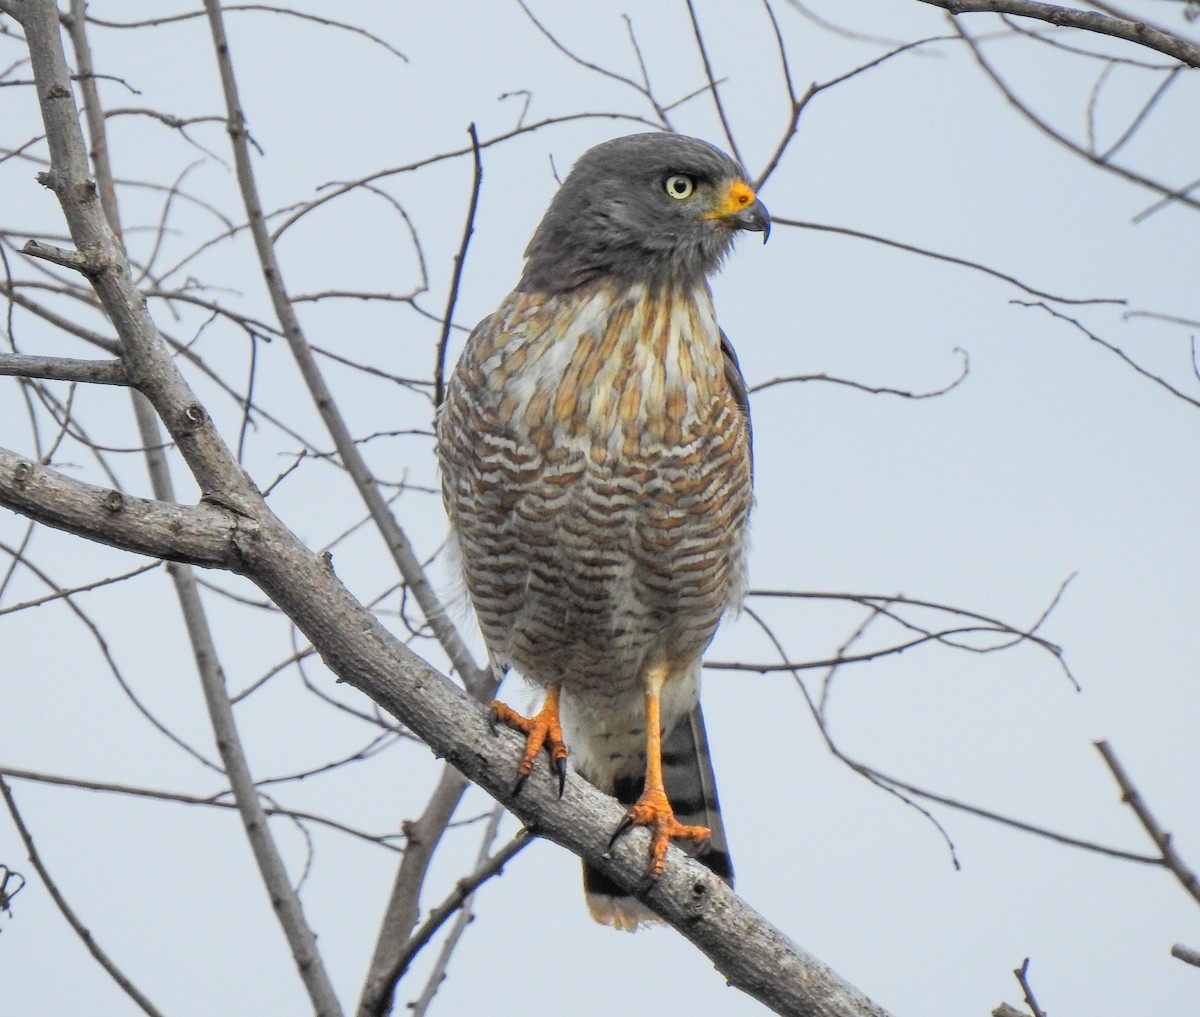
x=596, y=468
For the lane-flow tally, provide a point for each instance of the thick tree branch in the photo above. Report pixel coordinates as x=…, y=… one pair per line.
x=197, y=534
x=284, y=899
x=147, y=358
x=93, y=225
x=751, y=953
x=93, y=372
x=246, y=538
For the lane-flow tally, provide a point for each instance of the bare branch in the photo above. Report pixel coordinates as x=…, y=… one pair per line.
x=396, y=540
x=749, y=951
x=460, y=901
x=439, y=367
x=339, y=189
x=268, y=8
x=816, y=88
x=148, y=362
x=1022, y=974
x=643, y=89
x=698, y=36
x=1130, y=795
x=951, y=259
x=1177, y=194
x=403, y=908
x=85, y=264
x=201, y=534
x=964, y=370
x=60, y=594
x=1186, y=954
x=93, y=372
x=81, y=930
x=1117, y=351
x=210, y=801
x=1065, y=17
x=1142, y=114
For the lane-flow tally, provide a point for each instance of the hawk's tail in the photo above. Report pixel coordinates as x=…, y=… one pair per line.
x=692, y=792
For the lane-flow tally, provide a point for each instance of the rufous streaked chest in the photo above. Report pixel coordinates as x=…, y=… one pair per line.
x=596, y=468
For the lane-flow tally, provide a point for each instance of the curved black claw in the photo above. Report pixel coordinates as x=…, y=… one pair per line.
x=560, y=765
x=519, y=784
x=625, y=824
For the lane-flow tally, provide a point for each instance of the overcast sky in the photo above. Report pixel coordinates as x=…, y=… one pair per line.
x=1051, y=459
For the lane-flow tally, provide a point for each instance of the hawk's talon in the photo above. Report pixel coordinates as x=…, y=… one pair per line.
x=625, y=824
x=654, y=811
x=560, y=766
x=542, y=731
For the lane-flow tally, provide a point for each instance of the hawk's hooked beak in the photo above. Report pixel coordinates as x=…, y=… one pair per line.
x=741, y=209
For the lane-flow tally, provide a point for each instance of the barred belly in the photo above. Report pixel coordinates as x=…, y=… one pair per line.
x=596, y=468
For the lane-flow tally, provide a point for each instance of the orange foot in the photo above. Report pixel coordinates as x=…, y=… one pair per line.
x=542, y=731
x=653, y=810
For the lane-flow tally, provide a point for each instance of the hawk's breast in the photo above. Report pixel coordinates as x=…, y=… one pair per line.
x=596, y=468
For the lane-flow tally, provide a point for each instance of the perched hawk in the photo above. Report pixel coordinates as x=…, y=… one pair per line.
x=596, y=468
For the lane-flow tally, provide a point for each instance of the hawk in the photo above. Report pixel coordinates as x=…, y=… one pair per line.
x=595, y=456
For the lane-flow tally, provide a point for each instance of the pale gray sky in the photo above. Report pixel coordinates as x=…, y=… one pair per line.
x=1051, y=459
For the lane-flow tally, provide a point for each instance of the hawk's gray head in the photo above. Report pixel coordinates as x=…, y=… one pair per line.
x=653, y=208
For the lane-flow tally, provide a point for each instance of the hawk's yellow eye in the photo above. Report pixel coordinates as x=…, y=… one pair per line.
x=679, y=186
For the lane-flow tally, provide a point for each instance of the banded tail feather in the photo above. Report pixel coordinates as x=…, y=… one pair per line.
x=692, y=792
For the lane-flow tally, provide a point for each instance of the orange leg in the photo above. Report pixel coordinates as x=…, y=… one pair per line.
x=652, y=809
x=542, y=730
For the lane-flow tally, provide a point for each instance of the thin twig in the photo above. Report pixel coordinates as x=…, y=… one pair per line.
x=1025, y=110
x=1130, y=795
x=816, y=88
x=906, y=792
x=60, y=594
x=485, y=867
x=211, y=801
x=1115, y=350
x=951, y=259
x=1022, y=974
x=1186, y=954
x=439, y=367
x=698, y=35
x=460, y=897
x=394, y=537
x=338, y=190
x=1136, y=32
x=558, y=44
x=964, y=370
x=882, y=603
x=268, y=8
x=84, y=934
x=1142, y=114
x=109, y=660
